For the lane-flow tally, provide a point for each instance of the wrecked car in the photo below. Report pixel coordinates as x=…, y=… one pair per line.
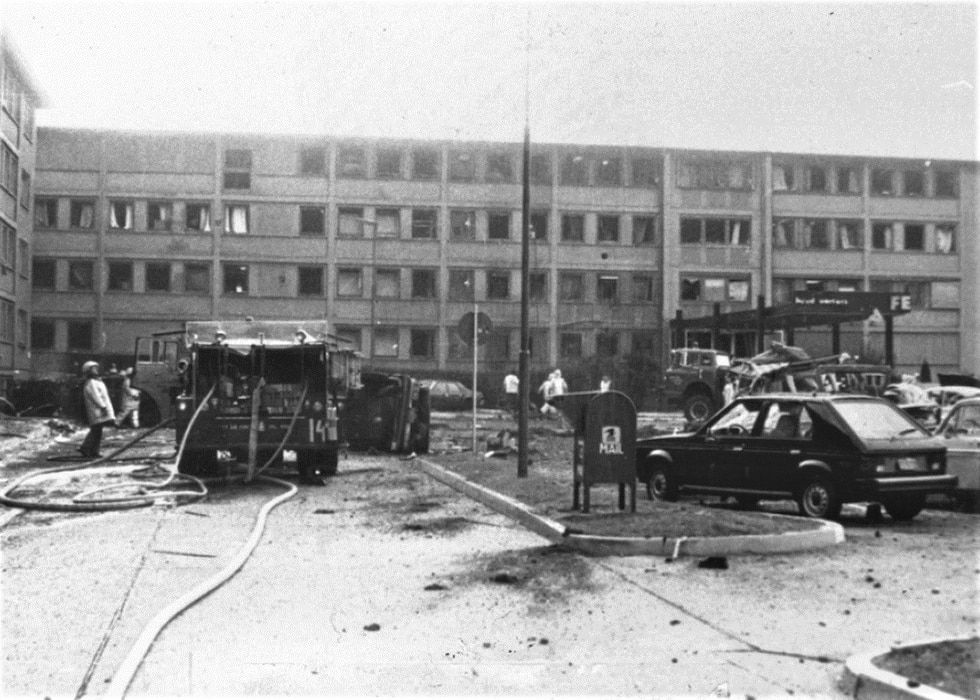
x=961, y=432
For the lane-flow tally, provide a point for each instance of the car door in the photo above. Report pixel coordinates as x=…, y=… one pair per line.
x=782, y=440
x=962, y=433
x=723, y=462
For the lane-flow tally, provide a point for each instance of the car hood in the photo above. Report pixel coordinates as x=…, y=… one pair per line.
x=658, y=440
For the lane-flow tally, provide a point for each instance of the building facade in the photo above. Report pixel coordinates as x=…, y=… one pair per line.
x=394, y=241
x=19, y=98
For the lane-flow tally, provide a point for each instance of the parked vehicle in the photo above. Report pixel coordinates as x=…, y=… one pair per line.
x=450, y=395
x=961, y=432
x=694, y=381
x=823, y=450
x=914, y=400
x=947, y=396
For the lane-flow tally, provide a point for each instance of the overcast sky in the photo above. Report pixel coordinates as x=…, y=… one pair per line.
x=865, y=79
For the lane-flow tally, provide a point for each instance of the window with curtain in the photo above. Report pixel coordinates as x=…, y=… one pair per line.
x=198, y=217
x=82, y=214
x=946, y=238
x=236, y=218
x=121, y=215
x=159, y=216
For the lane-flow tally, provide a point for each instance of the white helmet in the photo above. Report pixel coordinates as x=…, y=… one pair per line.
x=89, y=366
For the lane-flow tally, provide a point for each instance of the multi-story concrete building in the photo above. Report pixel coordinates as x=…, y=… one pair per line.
x=394, y=241
x=19, y=97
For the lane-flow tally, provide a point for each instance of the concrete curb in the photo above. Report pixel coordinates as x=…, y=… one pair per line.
x=863, y=680
x=827, y=534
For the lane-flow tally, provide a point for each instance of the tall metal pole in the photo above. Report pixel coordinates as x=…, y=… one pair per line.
x=524, y=373
x=476, y=339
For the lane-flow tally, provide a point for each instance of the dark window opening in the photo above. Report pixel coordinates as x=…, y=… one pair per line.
x=42, y=334
x=607, y=288
x=312, y=221
x=646, y=172
x=462, y=166
x=915, y=237
x=80, y=275
x=236, y=279
x=882, y=182
x=422, y=343
x=915, y=183
x=946, y=182
x=607, y=344
x=79, y=335
x=157, y=277
x=310, y=282
x=537, y=286
x=575, y=170
x=498, y=285
x=120, y=277
x=45, y=213
x=197, y=278
x=424, y=223
x=571, y=345
x=351, y=162
x=425, y=164
x=423, y=284
x=573, y=228
x=644, y=230
x=608, y=229
x=43, y=274
x=499, y=168
x=571, y=287
x=389, y=163
x=538, y=222
x=313, y=161
x=461, y=285
x=609, y=172
x=498, y=226
x=462, y=225
x=540, y=170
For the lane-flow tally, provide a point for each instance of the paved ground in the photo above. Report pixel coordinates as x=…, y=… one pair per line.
x=464, y=602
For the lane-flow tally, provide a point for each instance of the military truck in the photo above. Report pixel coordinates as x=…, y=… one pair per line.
x=695, y=381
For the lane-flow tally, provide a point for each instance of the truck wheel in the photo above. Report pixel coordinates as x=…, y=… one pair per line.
x=662, y=485
x=904, y=508
x=698, y=408
x=198, y=462
x=818, y=498
x=149, y=411
x=328, y=461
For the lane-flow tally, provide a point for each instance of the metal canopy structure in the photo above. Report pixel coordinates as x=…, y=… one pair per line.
x=805, y=310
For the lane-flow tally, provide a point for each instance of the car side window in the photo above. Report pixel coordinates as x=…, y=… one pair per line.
x=738, y=420
x=787, y=420
x=966, y=420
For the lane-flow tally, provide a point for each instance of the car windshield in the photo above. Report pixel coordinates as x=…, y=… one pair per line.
x=878, y=421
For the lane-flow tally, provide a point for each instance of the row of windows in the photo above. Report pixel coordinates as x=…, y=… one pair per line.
x=464, y=165
x=847, y=179
x=310, y=281
x=846, y=234
x=352, y=222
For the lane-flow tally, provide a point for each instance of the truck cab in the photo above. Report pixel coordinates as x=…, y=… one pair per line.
x=695, y=381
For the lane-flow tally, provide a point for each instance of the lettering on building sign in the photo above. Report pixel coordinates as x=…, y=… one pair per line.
x=901, y=302
x=612, y=443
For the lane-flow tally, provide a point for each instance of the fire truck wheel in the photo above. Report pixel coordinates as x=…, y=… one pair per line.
x=328, y=461
x=309, y=462
x=198, y=462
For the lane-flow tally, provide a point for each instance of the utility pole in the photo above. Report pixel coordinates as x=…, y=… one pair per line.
x=524, y=367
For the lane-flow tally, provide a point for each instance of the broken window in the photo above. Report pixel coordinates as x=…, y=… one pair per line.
x=120, y=277
x=462, y=166
x=350, y=222
x=462, y=225
x=644, y=230
x=946, y=183
x=882, y=181
x=538, y=226
x=849, y=235
x=424, y=284
x=349, y=282
x=422, y=343
x=571, y=286
x=816, y=179
x=540, y=169
x=352, y=334
x=82, y=214
x=608, y=229
x=424, y=223
x=235, y=279
x=713, y=289
x=79, y=335
x=159, y=216
x=816, y=234
x=847, y=180
x=236, y=218
x=914, y=183
x=643, y=288
x=575, y=170
x=498, y=226
x=157, y=277
x=198, y=217
x=388, y=282
x=121, y=215
x=690, y=231
x=384, y=342
x=570, y=345
x=312, y=221
x=389, y=164
x=607, y=288
x=389, y=223
x=425, y=164
x=499, y=167
x=537, y=286
x=946, y=238
x=783, y=178
x=42, y=334
x=45, y=213
x=573, y=228
x=739, y=232
x=915, y=237
x=609, y=172
x=313, y=161
x=80, y=275
x=881, y=236
x=783, y=233
x=310, y=281
x=197, y=278
x=238, y=169
x=461, y=285
x=498, y=285
x=714, y=231
x=351, y=162
x=43, y=274
x=646, y=172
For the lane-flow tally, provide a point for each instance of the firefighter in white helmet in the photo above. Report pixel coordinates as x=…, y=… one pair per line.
x=98, y=409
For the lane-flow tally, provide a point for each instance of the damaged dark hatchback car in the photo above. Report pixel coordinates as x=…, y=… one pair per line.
x=821, y=450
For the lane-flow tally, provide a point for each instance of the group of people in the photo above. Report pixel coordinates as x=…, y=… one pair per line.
x=99, y=411
x=553, y=386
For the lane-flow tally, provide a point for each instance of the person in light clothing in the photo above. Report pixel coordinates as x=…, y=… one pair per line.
x=98, y=410
x=512, y=385
x=130, y=410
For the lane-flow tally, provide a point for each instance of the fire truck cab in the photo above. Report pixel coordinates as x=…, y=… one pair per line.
x=255, y=389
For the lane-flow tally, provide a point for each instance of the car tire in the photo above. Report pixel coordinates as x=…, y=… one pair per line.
x=662, y=485
x=904, y=508
x=818, y=498
x=698, y=408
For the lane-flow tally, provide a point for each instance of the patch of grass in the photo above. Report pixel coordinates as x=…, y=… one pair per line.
x=951, y=666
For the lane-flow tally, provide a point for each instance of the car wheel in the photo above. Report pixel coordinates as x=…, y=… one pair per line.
x=662, y=485
x=747, y=502
x=818, y=498
x=904, y=507
x=698, y=408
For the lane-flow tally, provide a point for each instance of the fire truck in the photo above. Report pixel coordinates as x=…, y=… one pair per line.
x=256, y=389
